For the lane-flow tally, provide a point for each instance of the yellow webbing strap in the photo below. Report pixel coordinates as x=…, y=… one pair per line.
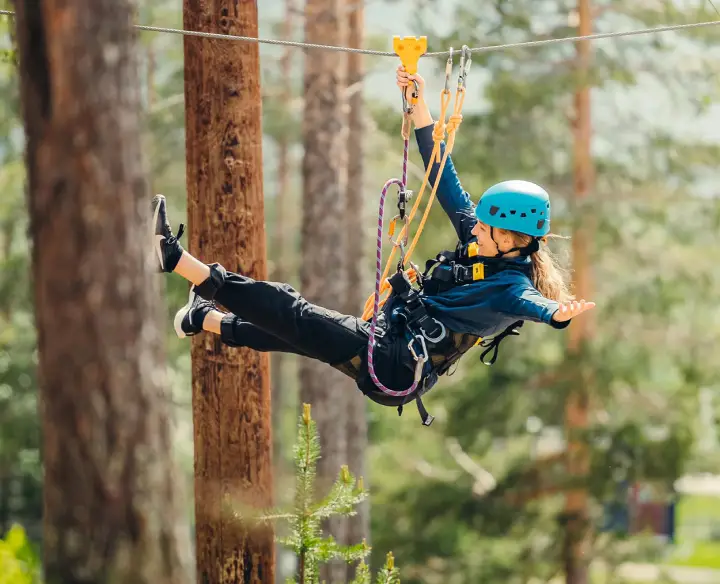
x=438, y=135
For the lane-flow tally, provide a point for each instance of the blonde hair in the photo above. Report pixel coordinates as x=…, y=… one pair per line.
x=548, y=275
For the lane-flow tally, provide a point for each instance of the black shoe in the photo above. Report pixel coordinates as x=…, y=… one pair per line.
x=189, y=319
x=166, y=245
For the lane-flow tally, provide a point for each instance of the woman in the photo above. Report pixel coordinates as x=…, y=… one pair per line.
x=504, y=236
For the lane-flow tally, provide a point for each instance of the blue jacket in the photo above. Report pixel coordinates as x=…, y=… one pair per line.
x=486, y=307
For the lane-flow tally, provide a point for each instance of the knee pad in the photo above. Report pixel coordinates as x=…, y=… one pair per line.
x=208, y=289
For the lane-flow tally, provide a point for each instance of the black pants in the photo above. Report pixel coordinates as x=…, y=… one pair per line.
x=273, y=317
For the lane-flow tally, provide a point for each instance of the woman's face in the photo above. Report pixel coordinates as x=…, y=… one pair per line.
x=503, y=240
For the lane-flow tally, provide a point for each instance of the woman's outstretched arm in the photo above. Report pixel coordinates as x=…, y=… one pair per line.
x=452, y=197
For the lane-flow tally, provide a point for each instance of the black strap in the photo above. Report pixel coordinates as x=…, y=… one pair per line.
x=449, y=273
x=400, y=284
x=426, y=417
x=494, y=343
x=417, y=320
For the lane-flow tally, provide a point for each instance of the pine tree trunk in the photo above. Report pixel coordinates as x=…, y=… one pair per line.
x=112, y=511
x=324, y=224
x=357, y=276
x=231, y=390
x=577, y=414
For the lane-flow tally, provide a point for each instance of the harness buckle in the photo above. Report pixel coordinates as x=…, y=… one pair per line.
x=460, y=273
x=442, y=334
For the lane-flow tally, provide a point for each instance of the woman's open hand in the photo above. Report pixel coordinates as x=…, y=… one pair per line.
x=569, y=310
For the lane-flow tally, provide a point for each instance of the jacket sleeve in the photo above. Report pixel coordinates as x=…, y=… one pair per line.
x=526, y=303
x=452, y=197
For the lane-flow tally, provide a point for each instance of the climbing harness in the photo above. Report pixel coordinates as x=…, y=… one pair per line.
x=421, y=340
x=464, y=266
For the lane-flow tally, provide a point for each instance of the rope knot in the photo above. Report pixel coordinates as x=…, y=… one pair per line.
x=439, y=131
x=454, y=122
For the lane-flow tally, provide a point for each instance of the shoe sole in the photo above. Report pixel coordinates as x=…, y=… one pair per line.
x=180, y=315
x=158, y=238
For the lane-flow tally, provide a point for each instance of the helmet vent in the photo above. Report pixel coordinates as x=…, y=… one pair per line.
x=494, y=210
x=540, y=223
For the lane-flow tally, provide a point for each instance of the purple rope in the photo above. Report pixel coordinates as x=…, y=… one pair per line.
x=406, y=155
x=378, y=277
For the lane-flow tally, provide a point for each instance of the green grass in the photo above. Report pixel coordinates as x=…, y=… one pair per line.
x=695, y=515
x=704, y=554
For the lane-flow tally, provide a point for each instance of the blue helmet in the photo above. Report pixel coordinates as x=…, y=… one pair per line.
x=516, y=205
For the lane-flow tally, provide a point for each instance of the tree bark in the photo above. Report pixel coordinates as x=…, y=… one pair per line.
x=112, y=510
x=577, y=413
x=231, y=390
x=324, y=224
x=357, y=276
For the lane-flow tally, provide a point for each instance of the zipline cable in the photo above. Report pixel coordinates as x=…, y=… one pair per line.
x=489, y=48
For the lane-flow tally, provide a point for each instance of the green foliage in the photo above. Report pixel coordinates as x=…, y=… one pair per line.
x=19, y=563
x=304, y=520
x=653, y=254
x=21, y=476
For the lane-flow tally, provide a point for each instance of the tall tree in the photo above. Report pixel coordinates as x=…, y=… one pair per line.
x=359, y=525
x=111, y=509
x=231, y=391
x=324, y=225
x=577, y=417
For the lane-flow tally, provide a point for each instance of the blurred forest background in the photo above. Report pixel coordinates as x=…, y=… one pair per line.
x=436, y=494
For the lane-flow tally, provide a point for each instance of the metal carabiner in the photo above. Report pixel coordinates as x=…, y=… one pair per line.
x=408, y=107
x=465, y=62
x=393, y=226
x=448, y=70
x=422, y=345
x=404, y=197
x=420, y=360
x=401, y=246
